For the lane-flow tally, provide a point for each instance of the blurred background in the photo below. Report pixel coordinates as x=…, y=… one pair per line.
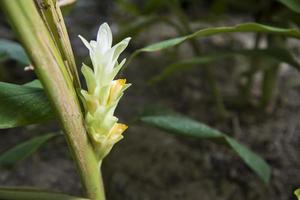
x=243, y=84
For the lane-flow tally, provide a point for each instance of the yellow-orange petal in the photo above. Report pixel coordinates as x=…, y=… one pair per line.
x=116, y=88
x=117, y=130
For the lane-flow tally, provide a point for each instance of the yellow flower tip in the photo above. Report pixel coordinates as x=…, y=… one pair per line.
x=116, y=132
x=118, y=85
x=119, y=128
x=116, y=88
x=122, y=81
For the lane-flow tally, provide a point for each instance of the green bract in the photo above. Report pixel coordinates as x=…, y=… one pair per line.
x=297, y=193
x=103, y=92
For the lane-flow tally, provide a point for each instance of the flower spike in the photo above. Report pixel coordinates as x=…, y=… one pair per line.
x=103, y=92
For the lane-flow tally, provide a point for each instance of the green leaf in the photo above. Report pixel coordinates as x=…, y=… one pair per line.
x=23, y=150
x=188, y=127
x=33, y=194
x=13, y=50
x=294, y=5
x=23, y=105
x=280, y=55
x=247, y=27
x=297, y=193
x=35, y=83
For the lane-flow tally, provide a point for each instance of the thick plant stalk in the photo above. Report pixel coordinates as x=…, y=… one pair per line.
x=51, y=70
x=51, y=13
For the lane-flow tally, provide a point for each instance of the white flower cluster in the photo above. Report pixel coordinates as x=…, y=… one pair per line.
x=103, y=92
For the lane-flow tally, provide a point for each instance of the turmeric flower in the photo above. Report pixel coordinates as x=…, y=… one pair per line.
x=103, y=92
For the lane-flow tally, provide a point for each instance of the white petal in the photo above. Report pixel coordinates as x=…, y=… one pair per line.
x=93, y=44
x=85, y=42
x=109, y=62
x=118, y=68
x=120, y=47
x=98, y=60
x=112, y=55
x=104, y=37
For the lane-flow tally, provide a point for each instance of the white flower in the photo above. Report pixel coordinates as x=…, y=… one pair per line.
x=103, y=93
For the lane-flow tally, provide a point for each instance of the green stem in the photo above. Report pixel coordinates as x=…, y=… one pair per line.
x=254, y=67
x=269, y=85
x=270, y=75
x=51, y=70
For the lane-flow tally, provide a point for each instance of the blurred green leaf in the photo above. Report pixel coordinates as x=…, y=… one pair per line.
x=129, y=7
x=188, y=127
x=247, y=27
x=294, y=5
x=186, y=64
x=16, y=193
x=297, y=193
x=23, y=105
x=136, y=26
x=35, y=83
x=13, y=50
x=280, y=55
x=153, y=5
x=23, y=150
x=219, y=6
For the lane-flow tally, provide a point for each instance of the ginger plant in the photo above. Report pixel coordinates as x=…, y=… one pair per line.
x=91, y=131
